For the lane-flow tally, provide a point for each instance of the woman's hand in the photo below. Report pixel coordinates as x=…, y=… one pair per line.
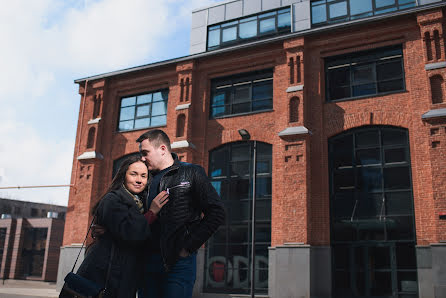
x=159, y=201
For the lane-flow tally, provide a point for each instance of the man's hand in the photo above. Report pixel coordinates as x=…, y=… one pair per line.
x=159, y=201
x=97, y=231
x=184, y=253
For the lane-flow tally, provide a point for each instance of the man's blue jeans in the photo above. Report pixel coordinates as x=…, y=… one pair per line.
x=177, y=283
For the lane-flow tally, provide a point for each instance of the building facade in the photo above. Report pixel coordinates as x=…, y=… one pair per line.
x=30, y=239
x=344, y=103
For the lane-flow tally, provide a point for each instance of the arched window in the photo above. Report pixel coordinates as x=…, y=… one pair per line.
x=291, y=65
x=91, y=135
x=371, y=212
x=437, y=45
x=228, y=251
x=182, y=89
x=294, y=109
x=181, y=123
x=427, y=41
x=436, y=89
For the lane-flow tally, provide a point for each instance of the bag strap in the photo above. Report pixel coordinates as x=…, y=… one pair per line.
x=83, y=243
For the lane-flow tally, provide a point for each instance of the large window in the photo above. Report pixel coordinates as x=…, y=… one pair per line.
x=371, y=214
x=228, y=258
x=332, y=11
x=365, y=73
x=33, y=252
x=142, y=111
x=249, y=28
x=242, y=93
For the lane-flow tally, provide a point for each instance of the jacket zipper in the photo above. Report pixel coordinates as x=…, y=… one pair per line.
x=166, y=266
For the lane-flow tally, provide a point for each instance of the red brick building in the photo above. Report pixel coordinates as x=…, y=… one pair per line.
x=345, y=101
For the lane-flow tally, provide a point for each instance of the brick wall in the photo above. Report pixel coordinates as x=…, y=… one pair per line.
x=300, y=202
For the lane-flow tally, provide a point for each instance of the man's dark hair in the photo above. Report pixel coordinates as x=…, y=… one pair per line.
x=156, y=137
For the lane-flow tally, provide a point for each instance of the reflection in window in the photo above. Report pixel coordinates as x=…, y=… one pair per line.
x=227, y=262
x=365, y=73
x=371, y=213
x=249, y=28
x=242, y=93
x=142, y=111
x=331, y=11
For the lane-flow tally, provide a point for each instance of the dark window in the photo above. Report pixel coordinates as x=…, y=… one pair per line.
x=242, y=93
x=142, y=111
x=34, y=212
x=181, y=123
x=228, y=257
x=33, y=251
x=332, y=11
x=436, y=89
x=249, y=28
x=365, y=73
x=372, y=214
x=91, y=135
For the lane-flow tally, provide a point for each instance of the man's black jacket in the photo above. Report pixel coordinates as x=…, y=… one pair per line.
x=191, y=195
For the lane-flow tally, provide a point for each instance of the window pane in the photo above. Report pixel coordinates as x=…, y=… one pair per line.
x=366, y=89
x=241, y=108
x=338, y=9
x=395, y=155
x=159, y=108
x=399, y=203
x=394, y=137
x=344, y=179
x=127, y=113
x=389, y=70
x=383, y=3
x=159, y=121
x=146, y=98
x=242, y=93
x=397, y=178
x=220, y=111
x=142, y=111
x=318, y=14
x=214, y=38
x=128, y=101
x=389, y=86
x=126, y=125
x=157, y=96
x=262, y=105
x=248, y=30
x=262, y=90
x=363, y=74
x=267, y=25
x=358, y=7
x=229, y=34
x=368, y=157
x=367, y=138
x=371, y=179
x=142, y=123
x=283, y=21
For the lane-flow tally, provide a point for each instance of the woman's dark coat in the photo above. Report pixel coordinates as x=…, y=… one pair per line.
x=129, y=230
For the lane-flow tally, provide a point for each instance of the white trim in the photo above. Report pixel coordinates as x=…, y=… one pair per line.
x=182, y=107
x=90, y=155
x=182, y=144
x=295, y=88
x=93, y=121
x=296, y=130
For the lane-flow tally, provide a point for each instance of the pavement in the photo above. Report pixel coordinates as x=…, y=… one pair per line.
x=13, y=288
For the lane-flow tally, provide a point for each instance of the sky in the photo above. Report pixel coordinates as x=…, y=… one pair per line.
x=46, y=45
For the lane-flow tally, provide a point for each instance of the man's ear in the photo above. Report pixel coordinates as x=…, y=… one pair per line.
x=163, y=149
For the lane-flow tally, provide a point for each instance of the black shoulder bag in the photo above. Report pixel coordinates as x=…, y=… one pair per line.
x=76, y=286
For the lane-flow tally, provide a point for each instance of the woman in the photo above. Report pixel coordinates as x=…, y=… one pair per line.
x=121, y=212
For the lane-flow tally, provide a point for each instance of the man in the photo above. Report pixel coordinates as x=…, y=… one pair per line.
x=192, y=215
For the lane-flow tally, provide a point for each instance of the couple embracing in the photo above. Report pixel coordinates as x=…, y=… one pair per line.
x=156, y=214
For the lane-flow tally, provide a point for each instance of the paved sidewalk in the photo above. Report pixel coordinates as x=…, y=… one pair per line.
x=13, y=288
